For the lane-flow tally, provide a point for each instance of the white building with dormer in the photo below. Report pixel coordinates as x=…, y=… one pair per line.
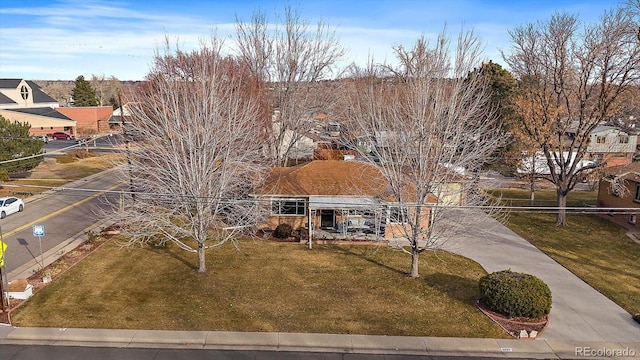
x=24, y=101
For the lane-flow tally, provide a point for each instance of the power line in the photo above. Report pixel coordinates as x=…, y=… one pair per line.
x=362, y=205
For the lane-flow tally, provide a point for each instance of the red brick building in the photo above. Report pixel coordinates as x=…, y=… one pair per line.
x=89, y=119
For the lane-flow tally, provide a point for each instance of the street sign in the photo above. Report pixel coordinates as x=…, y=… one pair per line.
x=3, y=247
x=38, y=230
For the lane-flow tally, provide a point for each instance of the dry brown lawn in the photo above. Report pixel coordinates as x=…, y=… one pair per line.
x=57, y=172
x=266, y=286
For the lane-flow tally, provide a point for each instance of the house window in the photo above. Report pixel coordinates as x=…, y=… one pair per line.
x=291, y=207
x=632, y=218
x=624, y=139
x=601, y=139
x=397, y=215
x=637, y=195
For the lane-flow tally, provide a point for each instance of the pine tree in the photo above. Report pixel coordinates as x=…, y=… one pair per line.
x=83, y=93
x=15, y=143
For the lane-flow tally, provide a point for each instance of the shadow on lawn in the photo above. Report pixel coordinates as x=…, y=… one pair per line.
x=456, y=287
x=170, y=251
x=371, y=260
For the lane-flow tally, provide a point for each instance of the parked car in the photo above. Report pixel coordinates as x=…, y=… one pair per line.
x=60, y=135
x=10, y=205
x=43, y=138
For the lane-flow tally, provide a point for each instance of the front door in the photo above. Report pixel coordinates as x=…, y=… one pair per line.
x=327, y=219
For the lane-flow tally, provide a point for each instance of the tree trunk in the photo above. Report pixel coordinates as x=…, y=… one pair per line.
x=202, y=266
x=414, y=263
x=532, y=192
x=562, y=208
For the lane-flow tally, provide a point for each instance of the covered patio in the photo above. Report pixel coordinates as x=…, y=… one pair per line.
x=345, y=217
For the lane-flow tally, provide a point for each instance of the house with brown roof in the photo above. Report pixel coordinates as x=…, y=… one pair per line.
x=335, y=198
x=619, y=190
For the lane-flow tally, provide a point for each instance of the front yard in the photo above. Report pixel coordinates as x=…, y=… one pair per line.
x=266, y=286
x=596, y=250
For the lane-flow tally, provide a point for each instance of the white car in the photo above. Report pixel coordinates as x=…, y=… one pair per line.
x=10, y=205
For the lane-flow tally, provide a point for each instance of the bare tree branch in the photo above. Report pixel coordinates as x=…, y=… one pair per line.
x=290, y=58
x=196, y=159
x=569, y=81
x=430, y=126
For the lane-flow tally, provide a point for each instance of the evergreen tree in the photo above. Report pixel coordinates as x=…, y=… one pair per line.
x=15, y=143
x=83, y=93
x=502, y=87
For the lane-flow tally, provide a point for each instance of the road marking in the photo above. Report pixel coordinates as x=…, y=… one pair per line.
x=26, y=226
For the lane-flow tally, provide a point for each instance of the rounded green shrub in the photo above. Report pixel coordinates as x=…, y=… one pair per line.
x=283, y=231
x=516, y=294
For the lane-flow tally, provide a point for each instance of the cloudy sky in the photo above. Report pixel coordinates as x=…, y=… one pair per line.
x=61, y=39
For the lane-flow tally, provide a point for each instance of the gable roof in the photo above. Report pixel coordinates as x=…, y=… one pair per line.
x=6, y=100
x=632, y=168
x=331, y=178
x=9, y=83
x=37, y=95
x=40, y=96
x=41, y=111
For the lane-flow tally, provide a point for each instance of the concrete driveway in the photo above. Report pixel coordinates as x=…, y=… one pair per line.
x=579, y=312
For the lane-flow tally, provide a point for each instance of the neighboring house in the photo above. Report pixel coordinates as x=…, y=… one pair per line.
x=89, y=119
x=335, y=196
x=620, y=189
x=317, y=139
x=303, y=145
x=537, y=164
x=120, y=115
x=23, y=101
x=612, y=145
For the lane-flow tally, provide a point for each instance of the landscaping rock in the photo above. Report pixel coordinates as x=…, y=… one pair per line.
x=523, y=334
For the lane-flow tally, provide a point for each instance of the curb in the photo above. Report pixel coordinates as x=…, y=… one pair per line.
x=324, y=343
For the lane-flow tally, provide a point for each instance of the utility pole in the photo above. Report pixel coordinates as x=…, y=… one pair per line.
x=126, y=142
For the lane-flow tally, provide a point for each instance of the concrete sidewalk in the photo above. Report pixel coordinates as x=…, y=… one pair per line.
x=579, y=312
x=358, y=344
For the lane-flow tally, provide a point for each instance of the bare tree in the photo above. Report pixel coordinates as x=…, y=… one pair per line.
x=570, y=76
x=58, y=89
x=289, y=59
x=431, y=127
x=196, y=159
x=107, y=88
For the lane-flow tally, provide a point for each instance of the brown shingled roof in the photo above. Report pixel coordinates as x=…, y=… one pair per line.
x=329, y=178
x=634, y=167
x=325, y=177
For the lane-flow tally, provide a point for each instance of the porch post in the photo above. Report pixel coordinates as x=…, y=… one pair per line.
x=309, y=220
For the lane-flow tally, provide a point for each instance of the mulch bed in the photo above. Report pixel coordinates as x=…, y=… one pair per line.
x=513, y=326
